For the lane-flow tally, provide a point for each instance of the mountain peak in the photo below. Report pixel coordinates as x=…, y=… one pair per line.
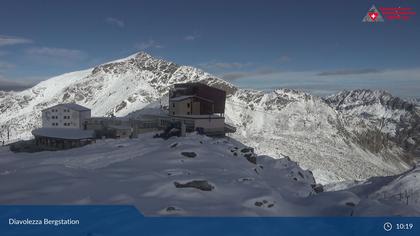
x=143, y=54
x=366, y=97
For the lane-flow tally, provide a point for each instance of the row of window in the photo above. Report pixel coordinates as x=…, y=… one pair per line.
x=188, y=105
x=56, y=110
x=65, y=117
x=56, y=124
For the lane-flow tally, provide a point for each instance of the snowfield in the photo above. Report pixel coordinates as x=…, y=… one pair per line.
x=194, y=175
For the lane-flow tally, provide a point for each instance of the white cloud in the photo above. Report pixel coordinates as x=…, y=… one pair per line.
x=115, y=22
x=191, y=37
x=261, y=72
x=148, y=44
x=284, y=59
x=223, y=65
x=6, y=65
x=64, y=53
x=6, y=40
x=349, y=72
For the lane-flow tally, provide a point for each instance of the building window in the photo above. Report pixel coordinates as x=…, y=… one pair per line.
x=188, y=105
x=173, y=113
x=173, y=104
x=188, y=113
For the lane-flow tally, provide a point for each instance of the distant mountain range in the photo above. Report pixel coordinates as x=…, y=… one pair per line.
x=351, y=135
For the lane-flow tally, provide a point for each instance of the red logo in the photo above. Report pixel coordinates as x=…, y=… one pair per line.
x=373, y=15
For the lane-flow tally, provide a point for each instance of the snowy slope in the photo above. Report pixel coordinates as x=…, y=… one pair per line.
x=380, y=122
x=150, y=173
x=310, y=131
x=318, y=133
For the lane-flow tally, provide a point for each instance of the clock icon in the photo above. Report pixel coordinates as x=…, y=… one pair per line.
x=387, y=226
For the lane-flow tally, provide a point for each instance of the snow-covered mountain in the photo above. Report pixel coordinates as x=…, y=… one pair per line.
x=363, y=140
x=352, y=135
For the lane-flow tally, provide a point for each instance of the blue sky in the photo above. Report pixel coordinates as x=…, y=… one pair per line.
x=321, y=46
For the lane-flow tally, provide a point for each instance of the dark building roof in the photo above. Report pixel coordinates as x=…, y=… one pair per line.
x=217, y=96
x=71, y=106
x=63, y=133
x=181, y=98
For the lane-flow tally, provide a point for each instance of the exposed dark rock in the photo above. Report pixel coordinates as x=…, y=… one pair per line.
x=120, y=106
x=301, y=175
x=350, y=204
x=174, y=145
x=202, y=185
x=264, y=203
x=247, y=149
x=251, y=157
x=318, y=188
x=171, y=209
x=189, y=154
x=245, y=179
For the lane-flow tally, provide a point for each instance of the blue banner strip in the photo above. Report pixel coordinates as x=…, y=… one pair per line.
x=127, y=220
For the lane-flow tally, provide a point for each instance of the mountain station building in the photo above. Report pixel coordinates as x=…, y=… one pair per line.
x=63, y=126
